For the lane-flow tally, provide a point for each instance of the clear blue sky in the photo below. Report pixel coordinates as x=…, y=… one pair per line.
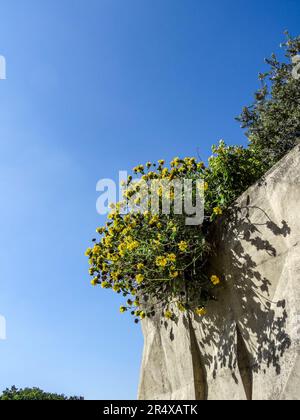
x=95, y=86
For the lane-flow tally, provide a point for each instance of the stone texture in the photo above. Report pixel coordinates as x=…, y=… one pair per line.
x=247, y=347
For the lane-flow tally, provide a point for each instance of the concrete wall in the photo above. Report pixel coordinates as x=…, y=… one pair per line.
x=247, y=347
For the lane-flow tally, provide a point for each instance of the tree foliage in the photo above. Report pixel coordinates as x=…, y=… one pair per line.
x=272, y=122
x=14, y=394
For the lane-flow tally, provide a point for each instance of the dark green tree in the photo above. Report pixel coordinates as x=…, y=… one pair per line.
x=272, y=122
x=32, y=394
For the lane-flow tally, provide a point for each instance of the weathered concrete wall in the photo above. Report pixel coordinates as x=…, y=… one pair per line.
x=248, y=345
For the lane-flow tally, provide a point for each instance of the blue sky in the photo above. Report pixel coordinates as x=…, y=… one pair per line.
x=93, y=87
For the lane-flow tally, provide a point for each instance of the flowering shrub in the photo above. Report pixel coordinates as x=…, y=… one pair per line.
x=155, y=257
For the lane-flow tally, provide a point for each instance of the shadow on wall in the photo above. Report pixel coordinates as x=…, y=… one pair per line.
x=254, y=338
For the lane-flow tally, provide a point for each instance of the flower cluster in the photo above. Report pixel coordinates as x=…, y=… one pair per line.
x=154, y=260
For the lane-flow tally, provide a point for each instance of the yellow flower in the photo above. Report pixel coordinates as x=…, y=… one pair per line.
x=183, y=246
x=168, y=315
x=215, y=280
x=154, y=220
x=140, y=266
x=136, y=303
x=161, y=261
x=201, y=311
x=218, y=211
x=139, y=278
x=94, y=282
x=172, y=257
x=142, y=315
x=107, y=241
x=88, y=252
x=161, y=162
x=105, y=285
x=116, y=288
x=123, y=309
x=132, y=245
x=115, y=257
x=122, y=249
x=181, y=307
x=111, y=215
x=205, y=186
x=165, y=173
x=175, y=162
x=115, y=275
x=138, y=169
x=174, y=274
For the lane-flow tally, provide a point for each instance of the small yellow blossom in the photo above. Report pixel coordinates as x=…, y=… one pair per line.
x=175, y=162
x=161, y=261
x=174, y=274
x=88, y=252
x=123, y=309
x=168, y=315
x=115, y=275
x=165, y=173
x=139, y=169
x=181, y=307
x=139, y=278
x=140, y=266
x=154, y=220
x=215, y=280
x=183, y=246
x=132, y=245
x=94, y=282
x=172, y=257
x=218, y=211
x=201, y=311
